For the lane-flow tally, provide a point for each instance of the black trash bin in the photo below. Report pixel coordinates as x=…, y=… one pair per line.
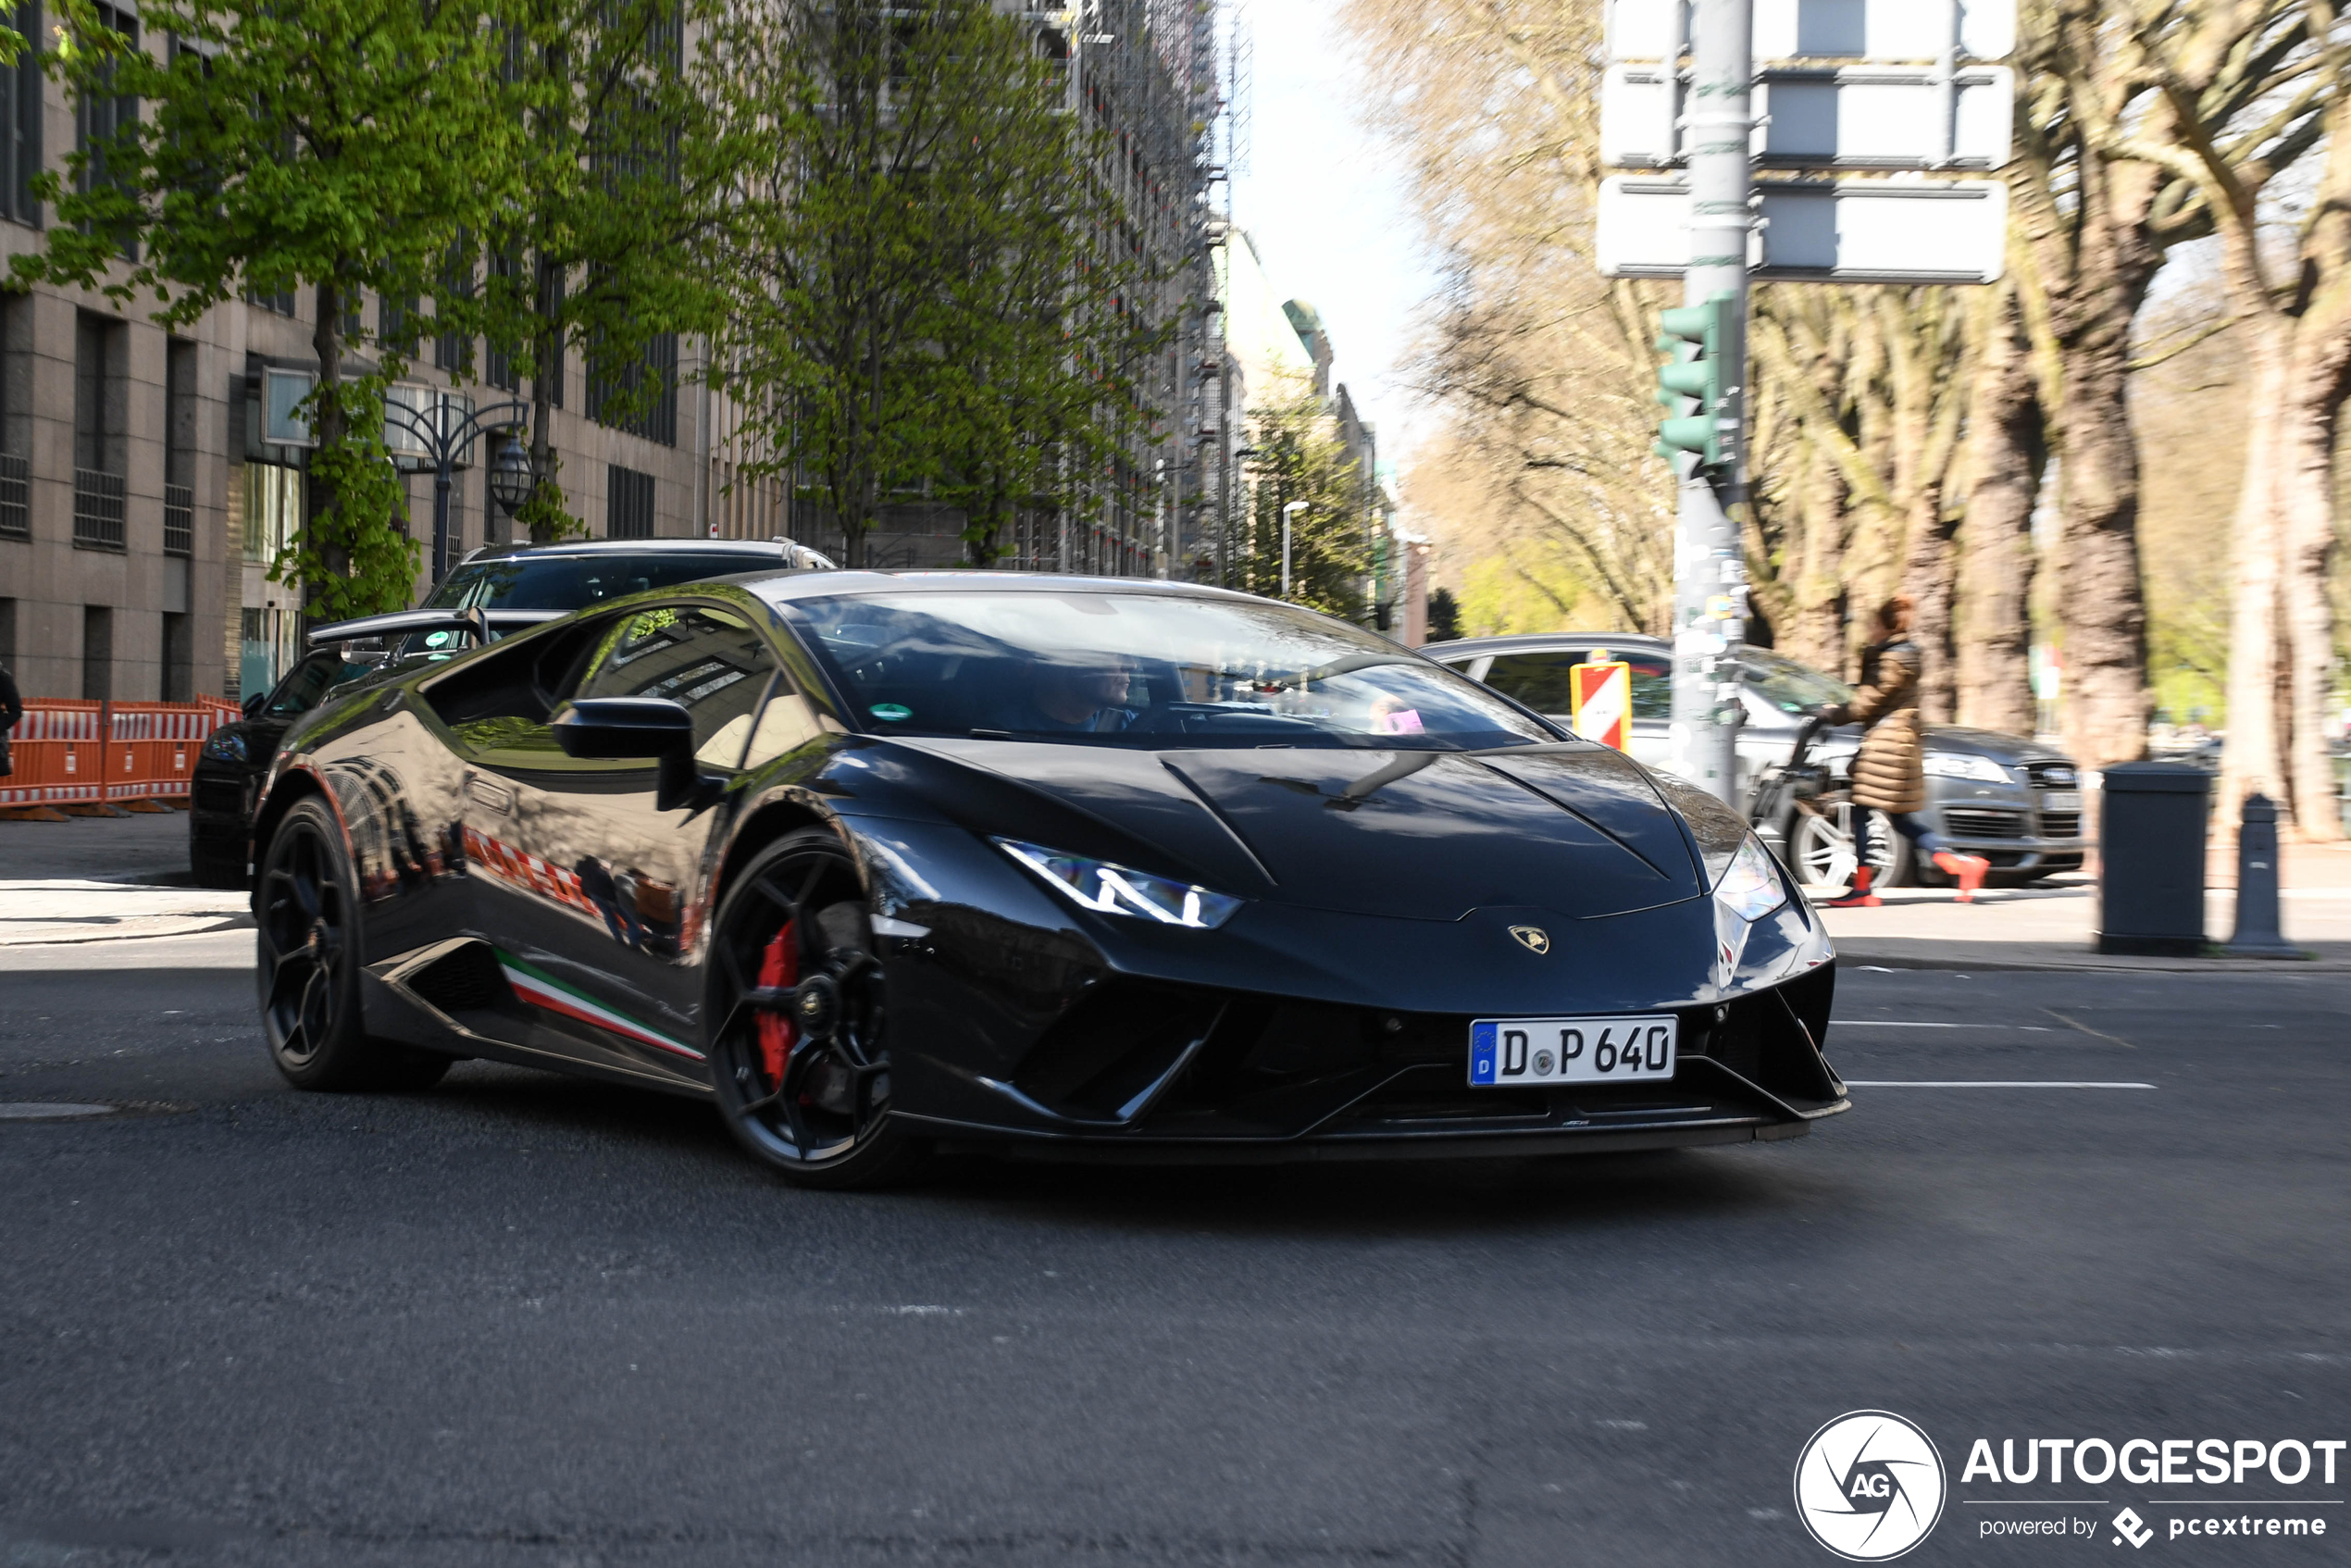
x=2151, y=858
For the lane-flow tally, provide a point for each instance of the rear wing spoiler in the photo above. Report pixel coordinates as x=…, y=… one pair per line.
x=477, y=623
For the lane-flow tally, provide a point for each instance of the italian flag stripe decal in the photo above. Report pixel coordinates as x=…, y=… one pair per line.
x=543, y=989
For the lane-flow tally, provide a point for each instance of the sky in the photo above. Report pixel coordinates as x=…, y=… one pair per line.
x=1328, y=213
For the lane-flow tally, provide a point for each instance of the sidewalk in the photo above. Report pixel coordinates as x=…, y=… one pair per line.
x=2055, y=926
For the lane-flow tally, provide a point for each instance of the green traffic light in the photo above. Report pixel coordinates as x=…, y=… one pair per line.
x=1704, y=330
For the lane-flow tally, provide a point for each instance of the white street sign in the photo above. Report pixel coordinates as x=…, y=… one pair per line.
x=1850, y=117
x=1827, y=232
x=1825, y=29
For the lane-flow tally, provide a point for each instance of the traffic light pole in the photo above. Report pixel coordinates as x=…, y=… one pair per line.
x=1710, y=574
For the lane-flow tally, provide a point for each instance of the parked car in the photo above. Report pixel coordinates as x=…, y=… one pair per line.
x=225, y=788
x=2006, y=798
x=1129, y=869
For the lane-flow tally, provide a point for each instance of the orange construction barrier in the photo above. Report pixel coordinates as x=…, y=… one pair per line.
x=81, y=752
x=58, y=753
x=152, y=747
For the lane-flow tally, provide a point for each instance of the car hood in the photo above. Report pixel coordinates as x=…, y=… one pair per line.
x=1413, y=834
x=1989, y=743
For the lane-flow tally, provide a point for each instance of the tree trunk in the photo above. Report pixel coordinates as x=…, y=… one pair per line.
x=2008, y=452
x=2107, y=700
x=327, y=423
x=1815, y=632
x=1930, y=577
x=2313, y=397
x=545, y=382
x=2252, y=757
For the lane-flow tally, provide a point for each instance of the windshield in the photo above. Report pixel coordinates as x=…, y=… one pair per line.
x=308, y=682
x=573, y=582
x=1146, y=670
x=570, y=582
x=1790, y=687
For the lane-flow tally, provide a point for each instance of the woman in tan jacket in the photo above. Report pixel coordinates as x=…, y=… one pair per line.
x=1890, y=772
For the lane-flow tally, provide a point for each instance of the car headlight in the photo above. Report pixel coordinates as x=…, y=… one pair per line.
x=1750, y=887
x=1107, y=889
x=226, y=745
x=1966, y=764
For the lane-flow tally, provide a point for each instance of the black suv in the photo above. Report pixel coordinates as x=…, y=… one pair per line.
x=224, y=790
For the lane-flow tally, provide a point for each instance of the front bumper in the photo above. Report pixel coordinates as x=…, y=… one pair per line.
x=2014, y=837
x=1149, y=1072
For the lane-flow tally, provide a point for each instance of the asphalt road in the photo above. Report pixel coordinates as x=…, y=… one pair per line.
x=522, y=1319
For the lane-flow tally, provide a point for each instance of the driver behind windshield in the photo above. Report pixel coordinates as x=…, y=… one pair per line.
x=1075, y=694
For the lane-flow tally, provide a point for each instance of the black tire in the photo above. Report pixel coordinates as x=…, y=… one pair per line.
x=307, y=908
x=796, y=1025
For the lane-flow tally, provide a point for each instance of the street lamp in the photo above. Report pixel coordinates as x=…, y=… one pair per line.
x=510, y=475
x=1288, y=512
x=439, y=427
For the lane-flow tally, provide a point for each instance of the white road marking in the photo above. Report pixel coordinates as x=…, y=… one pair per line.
x=1981, y=1083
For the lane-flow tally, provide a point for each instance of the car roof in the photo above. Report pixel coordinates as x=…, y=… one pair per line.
x=785, y=586
x=1535, y=641
x=629, y=546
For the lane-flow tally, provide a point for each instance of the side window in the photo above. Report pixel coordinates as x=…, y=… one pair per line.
x=788, y=722
x=1652, y=685
x=304, y=684
x=709, y=662
x=1539, y=680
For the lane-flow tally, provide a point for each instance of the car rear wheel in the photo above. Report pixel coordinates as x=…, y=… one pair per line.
x=797, y=1020
x=307, y=908
x=1821, y=848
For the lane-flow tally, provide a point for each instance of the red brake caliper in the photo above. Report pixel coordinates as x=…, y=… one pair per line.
x=778, y=970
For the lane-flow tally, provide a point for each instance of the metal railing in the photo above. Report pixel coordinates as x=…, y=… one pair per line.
x=97, y=510
x=179, y=520
x=15, y=498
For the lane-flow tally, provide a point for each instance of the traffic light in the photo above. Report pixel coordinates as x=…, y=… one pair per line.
x=1698, y=377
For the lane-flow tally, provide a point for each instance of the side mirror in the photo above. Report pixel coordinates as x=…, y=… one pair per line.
x=251, y=704
x=630, y=728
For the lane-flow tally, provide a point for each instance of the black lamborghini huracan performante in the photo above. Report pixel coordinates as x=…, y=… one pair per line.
x=1113, y=869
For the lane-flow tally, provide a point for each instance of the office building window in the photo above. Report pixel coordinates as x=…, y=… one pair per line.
x=178, y=657
x=639, y=394
x=20, y=121
x=97, y=653
x=629, y=504
x=273, y=510
x=99, y=120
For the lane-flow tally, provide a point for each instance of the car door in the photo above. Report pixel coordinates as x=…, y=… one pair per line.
x=589, y=886
x=1539, y=679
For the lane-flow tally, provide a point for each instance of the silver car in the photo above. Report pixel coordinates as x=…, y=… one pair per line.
x=2014, y=802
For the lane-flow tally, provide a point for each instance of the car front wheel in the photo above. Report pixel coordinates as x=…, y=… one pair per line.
x=798, y=1005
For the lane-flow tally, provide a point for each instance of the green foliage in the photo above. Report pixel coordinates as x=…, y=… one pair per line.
x=337, y=146
x=925, y=294
x=1299, y=456
x=1444, y=616
x=619, y=179
x=351, y=560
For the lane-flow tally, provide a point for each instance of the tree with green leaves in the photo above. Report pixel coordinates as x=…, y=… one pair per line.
x=1296, y=457
x=339, y=146
x=925, y=297
x=619, y=179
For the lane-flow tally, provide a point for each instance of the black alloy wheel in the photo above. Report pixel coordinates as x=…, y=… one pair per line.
x=797, y=1020
x=306, y=905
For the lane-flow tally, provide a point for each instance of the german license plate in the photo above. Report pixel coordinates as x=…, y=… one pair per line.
x=1509, y=1052
x=2061, y=799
